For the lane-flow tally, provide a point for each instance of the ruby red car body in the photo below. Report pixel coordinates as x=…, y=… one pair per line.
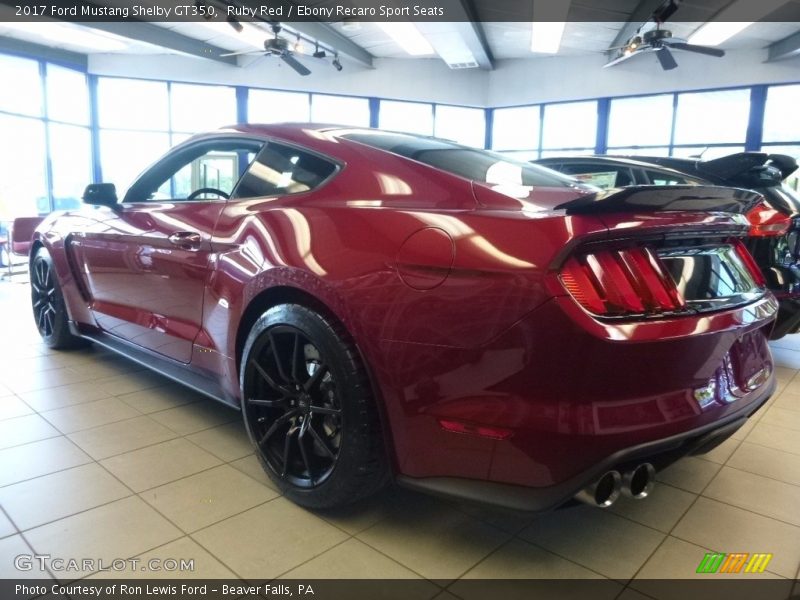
x=451, y=292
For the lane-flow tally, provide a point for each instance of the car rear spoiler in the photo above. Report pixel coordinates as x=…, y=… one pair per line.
x=650, y=198
x=750, y=169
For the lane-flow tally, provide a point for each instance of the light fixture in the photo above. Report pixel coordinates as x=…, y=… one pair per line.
x=546, y=37
x=336, y=64
x=408, y=37
x=547, y=28
x=73, y=35
x=732, y=20
x=298, y=45
x=317, y=52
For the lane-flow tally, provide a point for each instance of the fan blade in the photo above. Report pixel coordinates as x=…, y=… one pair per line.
x=243, y=53
x=699, y=49
x=295, y=64
x=666, y=59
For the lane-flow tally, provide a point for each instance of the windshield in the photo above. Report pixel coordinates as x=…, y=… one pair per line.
x=478, y=165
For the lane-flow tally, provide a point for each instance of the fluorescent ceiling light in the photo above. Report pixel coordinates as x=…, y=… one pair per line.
x=72, y=35
x=714, y=33
x=735, y=18
x=546, y=37
x=250, y=34
x=409, y=38
x=547, y=29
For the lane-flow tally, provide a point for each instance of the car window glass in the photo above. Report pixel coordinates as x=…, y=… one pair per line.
x=280, y=169
x=182, y=175
x=470, y=163
x=603, y=176
x=661, y=178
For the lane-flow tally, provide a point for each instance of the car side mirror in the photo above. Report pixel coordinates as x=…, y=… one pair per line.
x=101, y=194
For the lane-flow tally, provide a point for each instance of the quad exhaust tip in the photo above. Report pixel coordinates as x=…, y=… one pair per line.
x=639, y=482
x=603, y=492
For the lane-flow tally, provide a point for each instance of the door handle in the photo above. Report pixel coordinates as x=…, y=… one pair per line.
x=188, y=240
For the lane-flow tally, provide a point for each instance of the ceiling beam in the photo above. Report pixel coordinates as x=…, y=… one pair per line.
x=786, y=48
x=161, y=36
x=641, y=13
x=57, y=55
x=469, y=27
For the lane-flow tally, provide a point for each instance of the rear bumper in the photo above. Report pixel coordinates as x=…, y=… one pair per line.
x=560, y=395
x=660, y=453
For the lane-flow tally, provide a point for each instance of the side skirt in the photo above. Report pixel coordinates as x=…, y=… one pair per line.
x=171, y=369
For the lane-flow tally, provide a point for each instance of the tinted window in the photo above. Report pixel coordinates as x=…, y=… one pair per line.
x=279, y=170
x=604, y=176
x=478, y=165
x=661, y=178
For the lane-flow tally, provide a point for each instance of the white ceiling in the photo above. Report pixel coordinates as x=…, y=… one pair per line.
x=505, y=39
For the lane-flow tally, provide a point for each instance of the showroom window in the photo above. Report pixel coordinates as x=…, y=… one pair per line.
x=460, y=124
x=43, y=114
x=341, y=110
x=643, y=121
x=517, y=130
x=407, y=117
x=267, y=106
x=130, y=140
x=705, y=121
x=569, y=126
x=196, y=108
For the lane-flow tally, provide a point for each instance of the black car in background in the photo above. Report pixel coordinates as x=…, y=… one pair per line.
x=774, y=238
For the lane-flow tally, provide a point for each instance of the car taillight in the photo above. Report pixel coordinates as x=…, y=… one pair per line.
x=750, y=263
x=765, y=221
x=621, y=282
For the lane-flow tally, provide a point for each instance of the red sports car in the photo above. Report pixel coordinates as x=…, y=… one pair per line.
x=385, y=306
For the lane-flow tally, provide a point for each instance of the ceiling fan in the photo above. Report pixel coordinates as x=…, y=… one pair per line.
x=660, y=41
x=282, y=48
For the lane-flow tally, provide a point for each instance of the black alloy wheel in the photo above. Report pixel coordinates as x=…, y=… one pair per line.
x=292, y=399
x=43, y=296
x=309, y=409
x=47, y=301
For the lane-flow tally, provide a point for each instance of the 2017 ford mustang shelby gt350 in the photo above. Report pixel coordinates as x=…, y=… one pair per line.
x=385, y=306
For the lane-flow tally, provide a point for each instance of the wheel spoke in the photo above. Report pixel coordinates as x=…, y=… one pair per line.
x=278, y=363
x=303, y=453
x=36, y=288
x=324, y=445
x=295, y=356
x=287, y=445
x=316, y=377
x=324, y=410
x=276, y=424
x=268, y=403
x=270, y=381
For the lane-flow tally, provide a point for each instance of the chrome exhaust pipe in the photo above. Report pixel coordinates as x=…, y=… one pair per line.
x=639, y=482
x=603, y=492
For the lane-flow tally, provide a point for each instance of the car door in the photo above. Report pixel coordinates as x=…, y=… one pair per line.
x=145, y=262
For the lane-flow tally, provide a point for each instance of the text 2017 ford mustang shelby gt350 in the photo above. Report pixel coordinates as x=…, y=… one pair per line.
x=384, y=306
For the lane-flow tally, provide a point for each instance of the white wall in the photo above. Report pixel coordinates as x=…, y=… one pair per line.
x=578, y=77
x=519, y=81
x=426, y=79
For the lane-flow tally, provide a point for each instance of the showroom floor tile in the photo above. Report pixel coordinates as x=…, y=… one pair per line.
x=101, y=458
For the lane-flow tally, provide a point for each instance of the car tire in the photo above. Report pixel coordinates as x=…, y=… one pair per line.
x=47, y=301
x=309, y=409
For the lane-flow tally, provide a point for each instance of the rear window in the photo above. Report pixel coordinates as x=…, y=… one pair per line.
x=470, y=163
x=279, y=170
